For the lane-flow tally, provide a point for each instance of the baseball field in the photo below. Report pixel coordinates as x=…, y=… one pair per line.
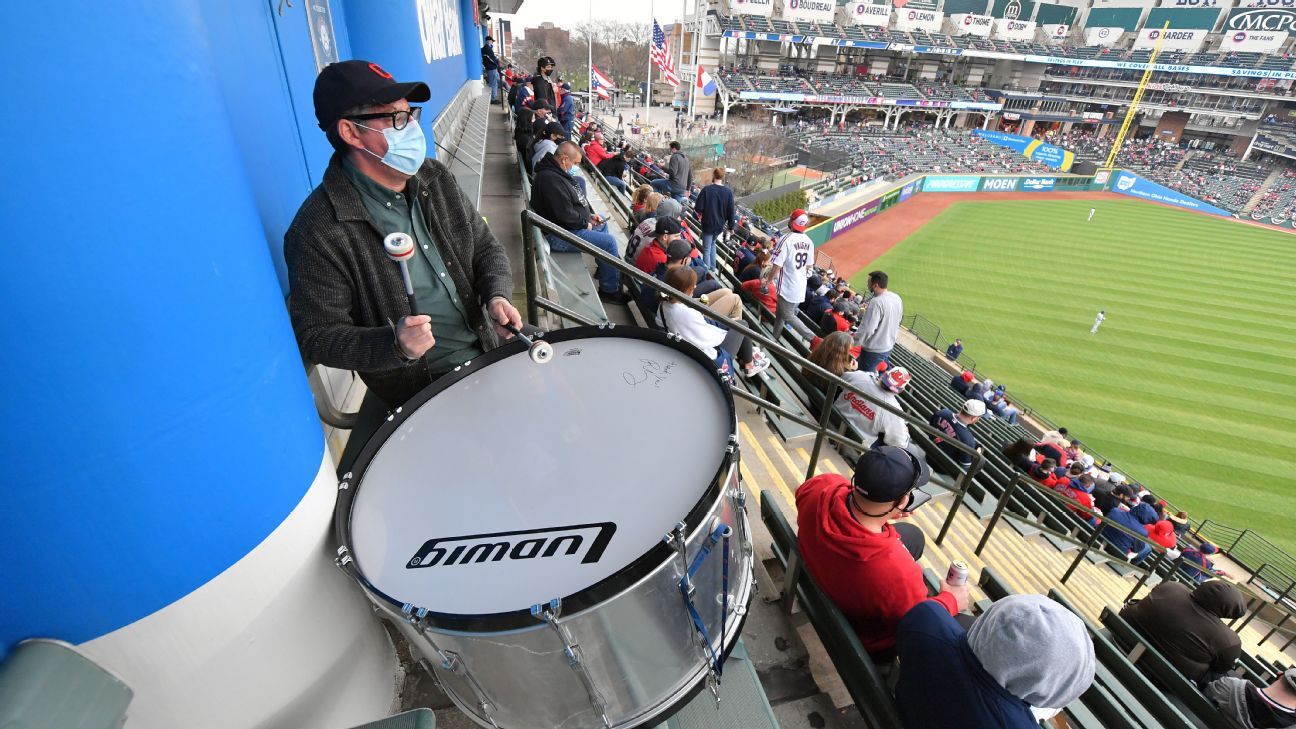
x=1189, y=384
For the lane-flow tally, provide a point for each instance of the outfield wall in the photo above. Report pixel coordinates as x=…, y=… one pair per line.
x=901, y=191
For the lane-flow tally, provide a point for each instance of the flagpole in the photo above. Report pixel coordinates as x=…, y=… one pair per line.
x=589, y=77
x=697, y=61
x=679, y=63
x=652, y=9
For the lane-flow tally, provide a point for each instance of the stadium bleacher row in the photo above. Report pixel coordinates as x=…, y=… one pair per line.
x=743, y=78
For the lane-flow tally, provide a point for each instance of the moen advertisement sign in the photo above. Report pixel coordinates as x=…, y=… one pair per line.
x=1053, y=156
x=763, y=8
x=1253, y=41
x=1014, y=30
x=1104, y=36
x=951, y=183
x=866, y=13
x=999, y=184
x=1175, y=40
x=1273, y=19
x=816, y=10
x=911, y=19
x=1128, y=183
x=969, y=24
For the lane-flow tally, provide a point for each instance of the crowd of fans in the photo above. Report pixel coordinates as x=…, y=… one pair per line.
x=1025, y=657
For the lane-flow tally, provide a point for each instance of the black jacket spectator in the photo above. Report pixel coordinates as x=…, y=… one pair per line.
x=544, y=90
x=346, y=293
x=557, y=197
x=1185, y=626
x=614, y=166
x=489, y=61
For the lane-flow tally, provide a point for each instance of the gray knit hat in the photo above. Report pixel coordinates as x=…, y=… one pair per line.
x=1036, y=649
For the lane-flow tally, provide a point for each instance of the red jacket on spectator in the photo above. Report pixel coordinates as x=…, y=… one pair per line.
x=650, y=257
x=842, y=324
x=1080, y=495
x=768, y=298
x=1162, y=533
x=870, y=577
x=595, y=153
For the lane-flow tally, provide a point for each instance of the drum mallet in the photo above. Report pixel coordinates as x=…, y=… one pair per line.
x=400, y=248
x=539, y=351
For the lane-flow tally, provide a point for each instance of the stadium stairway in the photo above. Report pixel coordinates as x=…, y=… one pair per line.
x=1259, y=195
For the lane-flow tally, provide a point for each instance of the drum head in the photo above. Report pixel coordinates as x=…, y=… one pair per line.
x=510, y=483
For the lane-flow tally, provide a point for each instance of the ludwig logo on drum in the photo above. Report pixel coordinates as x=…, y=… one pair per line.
x=563, y=541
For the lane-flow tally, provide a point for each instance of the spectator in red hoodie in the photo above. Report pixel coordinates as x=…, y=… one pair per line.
x=865, y=564
x=763, y=292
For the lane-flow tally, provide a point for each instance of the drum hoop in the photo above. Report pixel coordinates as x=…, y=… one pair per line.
x=591, y=596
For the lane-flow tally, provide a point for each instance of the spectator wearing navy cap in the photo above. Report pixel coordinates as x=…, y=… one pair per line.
x=349, y=309
x=863, y=562
x=1133, y=549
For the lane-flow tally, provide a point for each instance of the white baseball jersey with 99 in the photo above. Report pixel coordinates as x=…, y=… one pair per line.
x=793, y=254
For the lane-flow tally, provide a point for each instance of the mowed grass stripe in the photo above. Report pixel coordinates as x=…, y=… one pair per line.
x=1191, y=382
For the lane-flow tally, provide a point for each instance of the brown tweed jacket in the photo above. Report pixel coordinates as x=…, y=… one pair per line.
x=347, y=295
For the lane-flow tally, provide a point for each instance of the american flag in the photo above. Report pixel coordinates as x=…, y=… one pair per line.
x=659, y=53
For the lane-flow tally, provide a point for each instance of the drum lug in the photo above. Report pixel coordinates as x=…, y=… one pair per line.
x=548, y=614
x=450, y=661
x=343, y=558
x=678, y=540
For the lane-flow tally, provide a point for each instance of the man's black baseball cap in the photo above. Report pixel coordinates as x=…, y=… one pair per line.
x=347, y=84
x=886, y=473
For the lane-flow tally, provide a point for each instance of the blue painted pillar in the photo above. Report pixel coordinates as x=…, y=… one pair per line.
x=158, y=421
x=473, y=35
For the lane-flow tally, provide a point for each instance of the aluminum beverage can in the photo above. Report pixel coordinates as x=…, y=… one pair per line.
x=958, y=574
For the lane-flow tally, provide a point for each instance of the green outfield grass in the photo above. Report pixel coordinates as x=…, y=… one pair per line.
x=1190, y=384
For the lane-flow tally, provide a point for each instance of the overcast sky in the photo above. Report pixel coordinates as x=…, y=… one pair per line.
x=567, y=13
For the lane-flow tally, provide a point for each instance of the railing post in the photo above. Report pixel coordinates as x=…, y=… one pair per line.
x=830, y=397
x=1200, y=526
x=1088, y=545
x=529, y=265
x=1143, y=580
x=998, y=514
x=961, y=487
x=1260, y=607
x=1236, y=542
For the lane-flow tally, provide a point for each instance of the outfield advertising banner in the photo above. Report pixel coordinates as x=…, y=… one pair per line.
x=1128, y=183
x=1175, y=40
x=1272, y=19
x=866, y=13
x=999, y=184
x=821, y=11
x=1014, y=30
x=951, y=183
x=974, y=25
x=1038, y=184
x=908, y=18
x=908, y=190
x=764, y=8
x=1056, y=32
x=860, y=214
x=1253, y=41
x=1053, y=156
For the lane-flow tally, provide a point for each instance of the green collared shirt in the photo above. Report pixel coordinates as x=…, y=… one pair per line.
x=435, y=290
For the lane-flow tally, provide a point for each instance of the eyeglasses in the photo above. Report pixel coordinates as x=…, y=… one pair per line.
x=399, y=119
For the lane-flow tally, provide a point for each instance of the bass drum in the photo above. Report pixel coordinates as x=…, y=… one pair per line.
x=566, y=543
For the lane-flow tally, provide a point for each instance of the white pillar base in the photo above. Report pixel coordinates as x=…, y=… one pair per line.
x=280, y=640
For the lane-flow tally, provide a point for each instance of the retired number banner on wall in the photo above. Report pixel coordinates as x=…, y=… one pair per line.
x=866, y=13
x=1014, y=30
x=970, y=24
x=1102, y=36
x=816, y=10
x=1257, y=41
x=763, y=8
x=912, y=19
x=1175, y=39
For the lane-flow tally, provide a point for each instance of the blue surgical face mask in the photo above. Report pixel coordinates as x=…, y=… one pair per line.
x=406, y=148
x=572, y=170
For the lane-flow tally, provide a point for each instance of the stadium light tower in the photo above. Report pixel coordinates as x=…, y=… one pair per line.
x=1134, y=103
